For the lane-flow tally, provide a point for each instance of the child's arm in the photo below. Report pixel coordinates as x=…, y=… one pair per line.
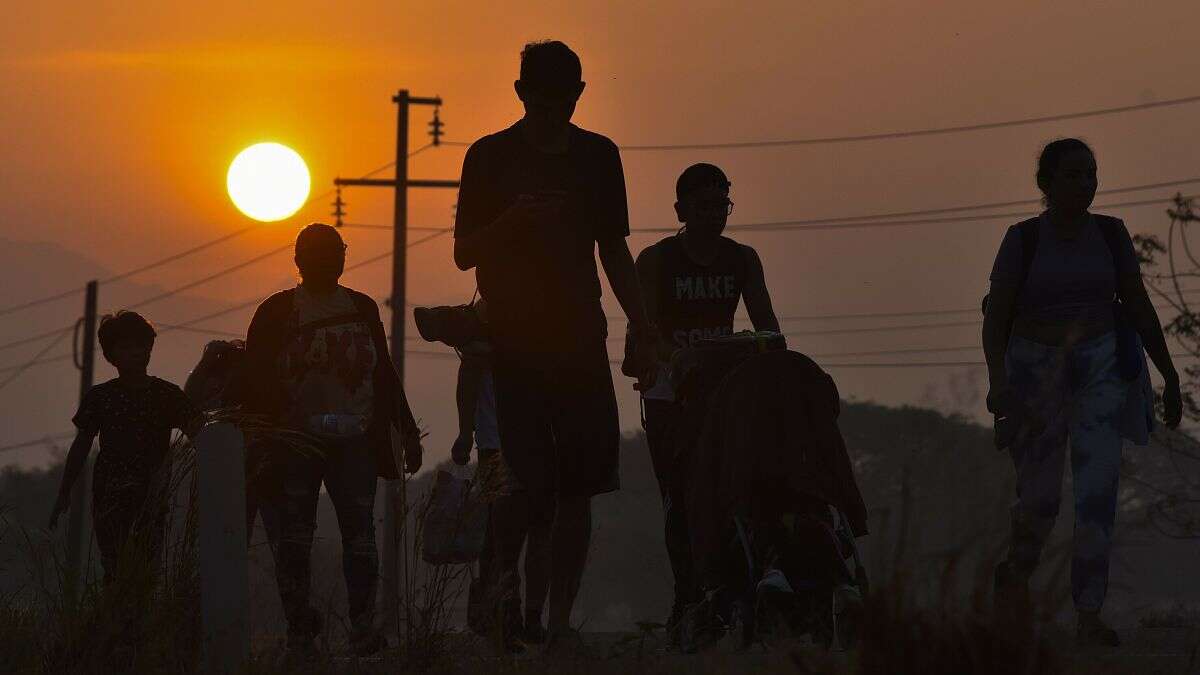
x=76, y=458
x=470, y=374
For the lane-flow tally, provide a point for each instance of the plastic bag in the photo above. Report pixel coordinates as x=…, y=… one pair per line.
x=455, y=523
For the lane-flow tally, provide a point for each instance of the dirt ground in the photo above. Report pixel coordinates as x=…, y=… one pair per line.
x=1146, y=651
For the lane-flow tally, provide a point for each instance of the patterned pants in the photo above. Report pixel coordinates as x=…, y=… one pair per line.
x=348, y=471
x=1079, y=394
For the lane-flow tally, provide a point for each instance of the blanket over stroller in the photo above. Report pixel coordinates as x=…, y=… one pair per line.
x=770, y=435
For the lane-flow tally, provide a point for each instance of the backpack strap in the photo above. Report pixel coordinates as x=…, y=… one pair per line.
x=1110, y=229
x=1029, y=231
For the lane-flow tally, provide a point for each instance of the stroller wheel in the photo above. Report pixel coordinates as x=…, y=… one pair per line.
x=700, y=626
x=739, y=632
x=846, y=615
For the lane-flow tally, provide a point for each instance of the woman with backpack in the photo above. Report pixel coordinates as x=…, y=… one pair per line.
x=317, y=363
x=1064, y=328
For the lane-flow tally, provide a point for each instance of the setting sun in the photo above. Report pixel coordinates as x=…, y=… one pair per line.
x=268, y=181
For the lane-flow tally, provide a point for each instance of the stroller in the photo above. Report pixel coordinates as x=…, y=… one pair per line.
x=773, y=507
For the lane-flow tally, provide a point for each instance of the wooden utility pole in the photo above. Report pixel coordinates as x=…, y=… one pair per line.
x=395, y=549
x=78, y=536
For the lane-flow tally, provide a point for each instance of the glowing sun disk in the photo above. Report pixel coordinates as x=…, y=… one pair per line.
x=268, y=181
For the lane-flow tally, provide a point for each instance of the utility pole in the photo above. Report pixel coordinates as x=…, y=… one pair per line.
x=78, y=537
x=395, y=496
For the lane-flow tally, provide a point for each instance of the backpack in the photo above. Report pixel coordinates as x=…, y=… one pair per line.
x=1129, y=347
x=327, y=368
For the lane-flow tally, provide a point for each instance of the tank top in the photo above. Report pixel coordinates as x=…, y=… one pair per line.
x=695, y=301
x=698, y=301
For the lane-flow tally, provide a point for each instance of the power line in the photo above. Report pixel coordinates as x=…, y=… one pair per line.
x=903, y=364
x=258, y=300
x=790, y=225
x=389, y=165
x=41, y=441
x=258, y=259
x=37, y=362
x=179, y=256
x=913, y=133
x=211, y=277
x=379, y=226
x=202, y=331
x=228, y=310
x=187, y=325
x=187, y=252
x=993, y=205
x=827, y=140
x=806, y=225
x=40, y=301
x=849, y=222
x=692, y=146
x=34, y=338
x=898, y=315
x=19, y=370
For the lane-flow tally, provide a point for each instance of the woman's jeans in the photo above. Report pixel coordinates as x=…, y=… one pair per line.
x=1079, y=394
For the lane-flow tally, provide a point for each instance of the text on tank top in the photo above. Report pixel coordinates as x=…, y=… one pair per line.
x=697, y=301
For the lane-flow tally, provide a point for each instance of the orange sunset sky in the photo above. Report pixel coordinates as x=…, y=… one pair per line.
x=119, y=120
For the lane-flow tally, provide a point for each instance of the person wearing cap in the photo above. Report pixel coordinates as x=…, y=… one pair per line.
x=317, y=364
x=536, y=202
x=691, y=283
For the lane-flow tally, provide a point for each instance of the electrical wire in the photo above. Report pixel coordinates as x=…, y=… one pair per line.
x=19, y=370
x=891, y=135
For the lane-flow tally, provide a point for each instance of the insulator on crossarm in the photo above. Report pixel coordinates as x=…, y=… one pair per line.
x=339, y=208
x=435, y=128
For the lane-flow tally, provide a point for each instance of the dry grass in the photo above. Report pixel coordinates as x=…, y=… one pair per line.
x=147, y=622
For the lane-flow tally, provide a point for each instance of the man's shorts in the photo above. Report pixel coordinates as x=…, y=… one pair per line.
x=559, y=430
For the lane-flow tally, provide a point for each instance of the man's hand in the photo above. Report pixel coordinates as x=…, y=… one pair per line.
x=460, y=452
x=647, y=351
x=59, y=507
x=534, y=210
x=1172, y=403
x=641, y=357
x=413, y=452
x=1004, y=402
x=1000, y=400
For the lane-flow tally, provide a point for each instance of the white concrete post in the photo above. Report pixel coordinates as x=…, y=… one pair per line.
x=224, y=578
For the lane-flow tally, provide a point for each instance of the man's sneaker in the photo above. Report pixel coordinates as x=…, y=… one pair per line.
x=1093, y=632
x=301, y=648
x=302, y=634
x=678, y=610
x=511, y=626
x=1010, y=599
x=566, y=644
x=367, y=643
